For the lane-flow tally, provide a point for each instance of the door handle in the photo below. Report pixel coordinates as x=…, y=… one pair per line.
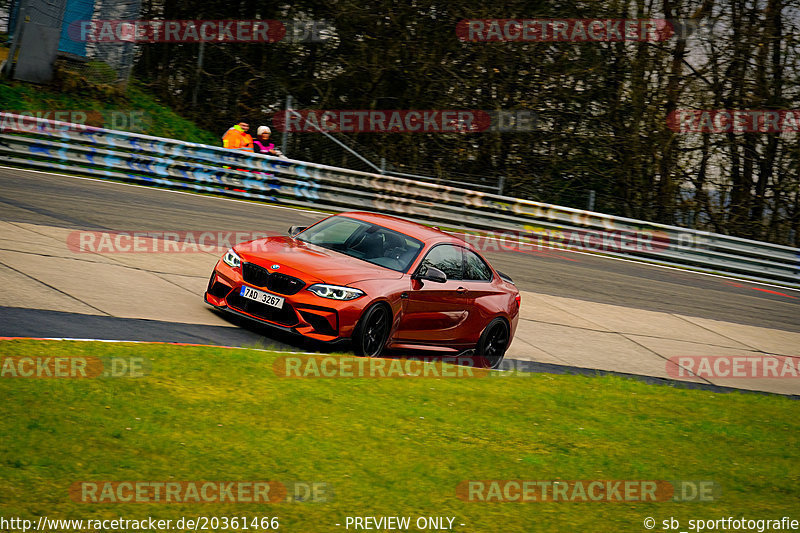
x=461, y=290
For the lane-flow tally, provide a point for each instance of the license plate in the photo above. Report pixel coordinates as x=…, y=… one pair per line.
x=261, y=296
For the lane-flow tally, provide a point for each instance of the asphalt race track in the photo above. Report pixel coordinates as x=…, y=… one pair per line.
x=30, y=200
x=83, y=204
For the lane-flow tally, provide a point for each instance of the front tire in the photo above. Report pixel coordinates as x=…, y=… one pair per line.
x=492, y=345
x=372, y=331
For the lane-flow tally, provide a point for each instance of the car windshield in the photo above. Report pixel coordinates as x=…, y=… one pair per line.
x=362, y=240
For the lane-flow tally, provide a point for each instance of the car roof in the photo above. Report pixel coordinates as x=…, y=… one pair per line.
x=426, y=234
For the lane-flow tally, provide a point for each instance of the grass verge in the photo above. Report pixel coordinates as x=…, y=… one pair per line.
x=393, y=447
x=136, y=110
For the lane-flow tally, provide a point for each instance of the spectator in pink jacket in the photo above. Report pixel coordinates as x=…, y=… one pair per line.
x=261, y=144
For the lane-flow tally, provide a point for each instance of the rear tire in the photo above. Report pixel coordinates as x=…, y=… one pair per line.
x=372, y=331
x=492, y=345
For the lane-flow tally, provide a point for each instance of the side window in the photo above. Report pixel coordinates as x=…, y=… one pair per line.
x=475, y=269
x=447, y=259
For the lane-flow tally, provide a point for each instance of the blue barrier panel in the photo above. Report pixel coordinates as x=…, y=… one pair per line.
x=76, y=10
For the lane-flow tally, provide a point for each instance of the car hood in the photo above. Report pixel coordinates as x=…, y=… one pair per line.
x=309, y=262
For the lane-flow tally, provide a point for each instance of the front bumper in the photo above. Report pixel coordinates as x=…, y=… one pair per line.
x=303, y=313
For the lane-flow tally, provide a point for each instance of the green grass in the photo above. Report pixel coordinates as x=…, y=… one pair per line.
x=156, y=118
x=395, y=447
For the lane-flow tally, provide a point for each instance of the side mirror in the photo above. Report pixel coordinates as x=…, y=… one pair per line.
x=431, y=274
x=294, y=230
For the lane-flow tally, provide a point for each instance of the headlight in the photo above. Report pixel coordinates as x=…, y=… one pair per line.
x=231, y=259
x=334, y=292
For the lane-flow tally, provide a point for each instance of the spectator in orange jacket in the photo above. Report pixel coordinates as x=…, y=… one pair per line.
x=237, y=138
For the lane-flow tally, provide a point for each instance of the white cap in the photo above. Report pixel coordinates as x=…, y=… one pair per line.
x=263, y=129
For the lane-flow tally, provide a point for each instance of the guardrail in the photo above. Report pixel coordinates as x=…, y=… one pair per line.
x=57, y=146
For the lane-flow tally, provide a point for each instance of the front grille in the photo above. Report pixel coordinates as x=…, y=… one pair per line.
x=285, y=316
x=275, y=282
x=283, y=284
x=255, y=275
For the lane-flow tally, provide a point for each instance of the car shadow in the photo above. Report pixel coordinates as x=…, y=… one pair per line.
x=266, y=337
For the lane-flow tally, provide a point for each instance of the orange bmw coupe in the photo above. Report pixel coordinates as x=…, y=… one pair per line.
x=379, y=281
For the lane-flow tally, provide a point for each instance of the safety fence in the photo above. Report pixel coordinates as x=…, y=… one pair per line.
x=36, y=143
